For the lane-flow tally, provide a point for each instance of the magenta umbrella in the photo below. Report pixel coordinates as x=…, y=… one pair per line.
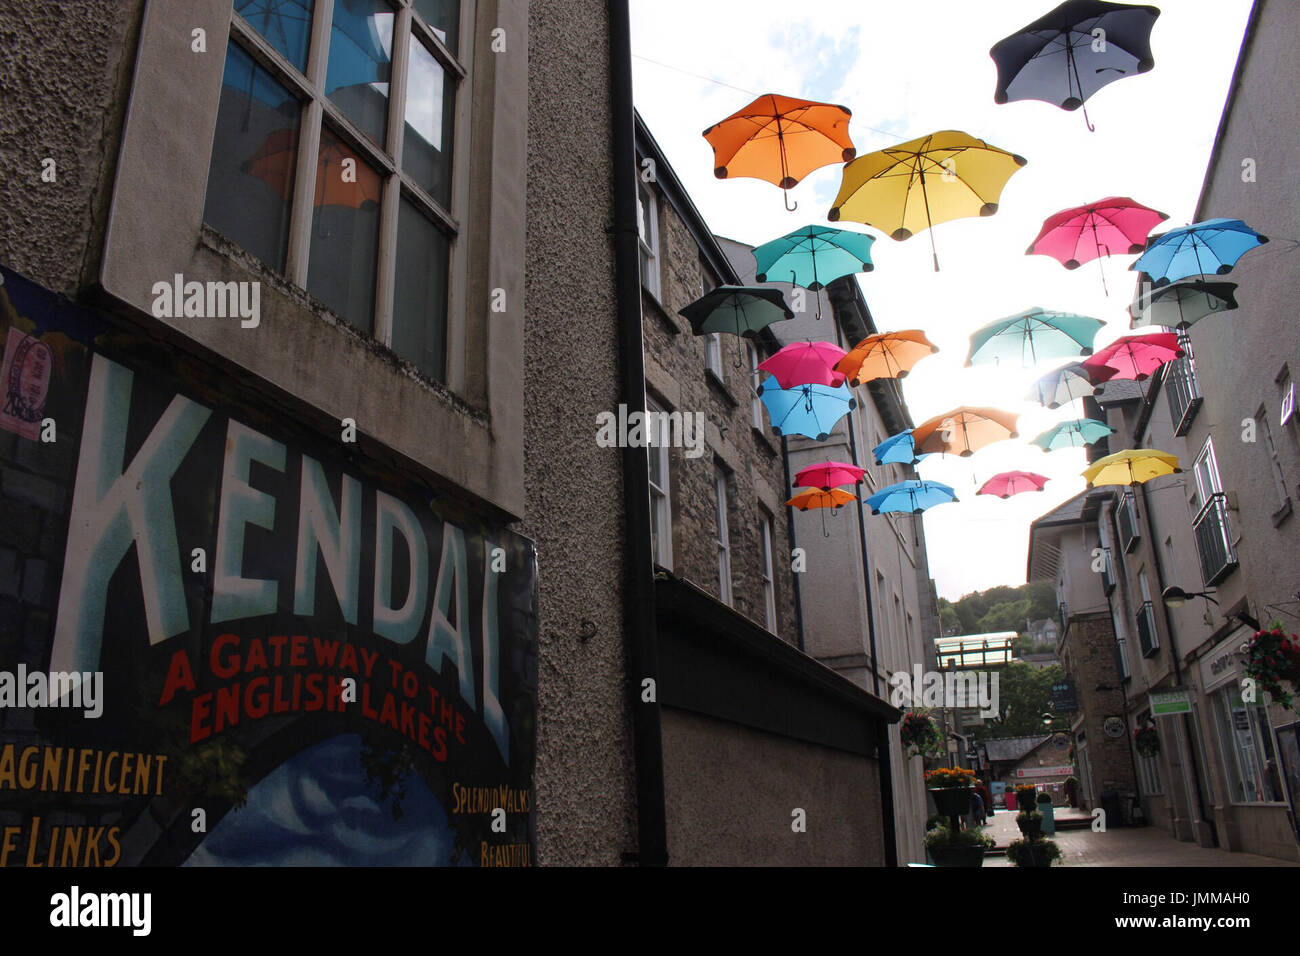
x=828, y=475
x=1136, y=356
x=1010, y=483
x=1114, y=226
x=806, y=363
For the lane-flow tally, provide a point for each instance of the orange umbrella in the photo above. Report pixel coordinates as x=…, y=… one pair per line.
x=780, y=140
x=886, y=355
x=816, y=498
x=336, y=185
x=963, y=431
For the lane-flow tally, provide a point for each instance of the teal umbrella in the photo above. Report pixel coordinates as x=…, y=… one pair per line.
x=813, y=257
x=1073, y=434
x=1031, y=336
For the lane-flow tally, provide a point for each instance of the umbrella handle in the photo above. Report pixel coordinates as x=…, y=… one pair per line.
x=785, y=194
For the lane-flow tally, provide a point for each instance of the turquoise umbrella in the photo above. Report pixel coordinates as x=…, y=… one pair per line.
x=1073, y=434
x=813, y=257
x=1033, y=335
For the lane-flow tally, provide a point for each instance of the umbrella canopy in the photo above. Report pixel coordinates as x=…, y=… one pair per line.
x=828, y=474
x=805, y=363
x=814, y=256
x=914, y=185
x=1063, y=385
x=1180, y=304
x=1009, y=483
x=1073, y=434
x=885, y=355
x=1114, y=226
x=1136, y=356
x=897, y=449
x=963, y=431
x=1032, y=336
x=1204, y=248
x=911, y=496
x=741, y=310
x=809, y=410
x=1057, y=59
x=780, y=139
x=1133, y=466
x=812, y=498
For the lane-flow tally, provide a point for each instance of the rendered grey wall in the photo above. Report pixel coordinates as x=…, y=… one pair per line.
x=584, y=779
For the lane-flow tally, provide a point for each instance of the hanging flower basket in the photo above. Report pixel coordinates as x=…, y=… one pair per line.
x=1146, y=740
x=921, y=734
x=1273, y=656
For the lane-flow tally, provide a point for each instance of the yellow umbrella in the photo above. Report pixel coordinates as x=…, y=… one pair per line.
x=912, y=186
x=1132, y=466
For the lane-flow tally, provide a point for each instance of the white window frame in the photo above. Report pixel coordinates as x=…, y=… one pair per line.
x=1117, y=622
x=1144, y=587
x=713, y=353
x=1206, y=472
x=724, y=537
x=768, y=572
x=648, y=237
x=1258, y=726
x=661, y=518
x=755, y=403
x=1275, y=463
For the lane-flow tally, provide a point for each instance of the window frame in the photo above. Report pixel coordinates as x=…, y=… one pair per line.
x=721, y=516
x=768, y=569
x=651, y=278
x=661, y=518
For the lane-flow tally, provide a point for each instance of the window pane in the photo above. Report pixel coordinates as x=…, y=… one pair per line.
x=250, y=179
x=344, y=232
x=285, y=24
x=426, y=147
x=444, y=17
x=360, y=62
x=420, y=292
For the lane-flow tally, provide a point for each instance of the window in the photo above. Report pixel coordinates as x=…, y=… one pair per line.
x=724, y=541
x=769, y=585
x=661, y=527
x=1148, y=638
x=755, y=403
x=1121, y=645
x=1182, y=391
x=1247, y=742
x=1126, y=518
x=1275, y=465
x=332, y=158
x=647, y=226
x=713, y=353
x=1213, y=534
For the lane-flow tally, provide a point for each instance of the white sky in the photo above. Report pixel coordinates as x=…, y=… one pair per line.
x=906, y=70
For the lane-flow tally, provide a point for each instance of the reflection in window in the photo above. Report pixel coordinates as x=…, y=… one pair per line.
x=344, y=232
x=250, y=179
x=420, y=292
x=285, y=24
x=360, y=63
x=426, y=146
x=444, y=17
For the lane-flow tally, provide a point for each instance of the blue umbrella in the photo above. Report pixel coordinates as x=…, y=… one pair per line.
x=911, y=496
x=813, y=257
x=1073, y=434
x=897, y=449
x=1201, y=249
x=809, y=410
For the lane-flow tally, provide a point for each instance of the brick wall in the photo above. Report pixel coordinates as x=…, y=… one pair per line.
x=1088, y=657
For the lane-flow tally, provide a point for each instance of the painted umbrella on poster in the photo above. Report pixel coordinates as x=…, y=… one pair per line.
x=808, y=410
x=912, y=497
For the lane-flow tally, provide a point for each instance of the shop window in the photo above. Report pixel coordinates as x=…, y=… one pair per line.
x=1254, y=775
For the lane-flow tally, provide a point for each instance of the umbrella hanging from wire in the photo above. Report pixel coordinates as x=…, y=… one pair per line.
x=1180, y=304
x=885, y=355
x=739, y=310
x=1031, y=336
x=918, y=184
x=1133, y=466
x=1008, y=483
x=1204, y=248
x=1116, y=226
x=828, y=474
x=815, y=499
x=964, y=430
x=910, y=497
x=1075, y=433
x=780, y=139
x=897, y=449
x=1042, y=61
x=808, y=410
x=805, y=363
x=814, y=256
x=1137, y=356
x=1063, y=385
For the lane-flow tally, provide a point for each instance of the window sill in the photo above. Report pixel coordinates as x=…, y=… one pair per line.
x=717, y=384
x=657, y=308
x=762, y=436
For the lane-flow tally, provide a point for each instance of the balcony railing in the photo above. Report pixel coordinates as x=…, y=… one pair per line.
x=1107, y=572
x=1214, y=541
x=1146, y=627
x=1183, y=393
x=1126, y=519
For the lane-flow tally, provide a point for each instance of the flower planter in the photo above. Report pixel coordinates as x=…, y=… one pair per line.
x=1035, y=855
x=1031, y=831
x=957, y=855
x=952, y=801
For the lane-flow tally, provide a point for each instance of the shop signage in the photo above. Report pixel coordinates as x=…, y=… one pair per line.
x=1045, y=771
x=1064, y=696
x=1166, y=703
x=1114, y=727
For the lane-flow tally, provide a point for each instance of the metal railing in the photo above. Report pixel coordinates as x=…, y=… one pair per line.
x=1148, y=640
x=1126, y=519
x=1214, y=540
x=1107, y=572
x=1183, y=393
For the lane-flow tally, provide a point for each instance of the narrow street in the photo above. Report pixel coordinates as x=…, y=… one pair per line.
x=1124, y=846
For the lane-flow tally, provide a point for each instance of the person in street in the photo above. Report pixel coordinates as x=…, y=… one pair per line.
x=977, y=807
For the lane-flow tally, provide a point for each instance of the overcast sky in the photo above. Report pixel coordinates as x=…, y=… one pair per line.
x=906, y=70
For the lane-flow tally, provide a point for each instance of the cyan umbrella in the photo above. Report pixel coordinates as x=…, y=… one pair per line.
x=1033, y=335
x=1073, y=434
x=814, y=256
x=1063, y=385
x=1204, y=248
x=809, y=410
x=911, y=496
x=896, y=449
x=1180, y=304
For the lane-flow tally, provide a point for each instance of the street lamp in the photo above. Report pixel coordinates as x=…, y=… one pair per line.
x=1174, y=596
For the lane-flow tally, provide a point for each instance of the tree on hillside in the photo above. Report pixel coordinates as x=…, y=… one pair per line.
x=1024, y=695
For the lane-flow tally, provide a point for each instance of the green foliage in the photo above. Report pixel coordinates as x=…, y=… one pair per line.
x=942, y=836
x=1024, y=695
x=1001, y=608
x=1018, y=851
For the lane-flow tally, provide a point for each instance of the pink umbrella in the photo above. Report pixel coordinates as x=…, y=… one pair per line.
x=1136, y=356
x=1010, y=483
x=806, y=363
x=1114, y=226
x=828, y=475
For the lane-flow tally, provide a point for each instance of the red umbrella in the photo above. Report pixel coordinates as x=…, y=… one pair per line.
x=1136, y=356
x=1010, y=483
x=806, y=363
x=828, y=475
x=1114, y=226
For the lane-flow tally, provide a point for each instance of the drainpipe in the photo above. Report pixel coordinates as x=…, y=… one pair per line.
x=1188, y=730
x=789, y=522
x=639, y=621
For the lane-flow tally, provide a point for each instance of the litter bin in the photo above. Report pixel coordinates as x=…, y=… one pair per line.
x=1010, y=798
x=1113, y=808
x=1049, y=817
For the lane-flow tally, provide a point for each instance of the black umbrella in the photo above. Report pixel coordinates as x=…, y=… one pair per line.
x=1179, y=304
x=1069, y=54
